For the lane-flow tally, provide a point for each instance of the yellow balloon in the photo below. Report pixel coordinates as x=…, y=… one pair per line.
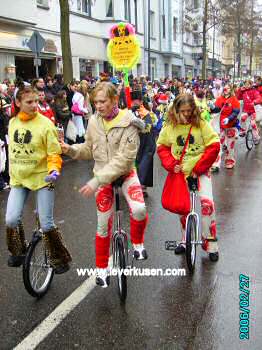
x=123, y=51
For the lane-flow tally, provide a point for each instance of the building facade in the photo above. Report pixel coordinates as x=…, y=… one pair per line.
x=168, y=32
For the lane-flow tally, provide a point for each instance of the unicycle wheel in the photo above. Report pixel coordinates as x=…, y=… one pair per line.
x=191, y=236
x=121, y=266
x=249, y=140
x=37, y=272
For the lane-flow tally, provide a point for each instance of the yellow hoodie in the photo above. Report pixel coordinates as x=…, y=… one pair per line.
x=34, y=150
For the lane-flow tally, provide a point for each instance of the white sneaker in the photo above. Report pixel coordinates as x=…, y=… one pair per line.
x=140, y=252
x=102, y=277
x=6, y=187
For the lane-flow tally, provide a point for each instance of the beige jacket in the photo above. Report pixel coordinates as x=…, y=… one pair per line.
x=114, y=153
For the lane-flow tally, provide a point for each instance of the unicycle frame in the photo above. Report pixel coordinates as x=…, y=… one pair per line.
x=119, y=244
x=193, y=213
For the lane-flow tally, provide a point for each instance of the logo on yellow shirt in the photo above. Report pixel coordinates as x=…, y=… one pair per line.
x=22, y=143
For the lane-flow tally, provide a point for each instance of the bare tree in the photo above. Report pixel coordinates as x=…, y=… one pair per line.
x=234, y=21
x=254, y=32
x=65, y=41
x=210, y=19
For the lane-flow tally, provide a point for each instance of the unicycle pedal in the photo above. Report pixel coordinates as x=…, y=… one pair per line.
x=170, y=245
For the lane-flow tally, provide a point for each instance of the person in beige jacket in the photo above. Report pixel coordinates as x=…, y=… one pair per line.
x=112, y=140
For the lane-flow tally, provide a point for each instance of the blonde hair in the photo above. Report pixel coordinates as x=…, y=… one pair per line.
x=173, y=111
x=83, y=87
x=108, y=88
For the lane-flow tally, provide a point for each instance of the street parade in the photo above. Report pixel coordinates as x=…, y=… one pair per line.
x=130, y=166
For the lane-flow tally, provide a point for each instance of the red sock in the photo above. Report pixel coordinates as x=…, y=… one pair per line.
x=137, y=229
x=102, y=251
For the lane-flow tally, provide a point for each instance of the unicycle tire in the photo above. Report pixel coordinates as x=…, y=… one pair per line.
x=249, y=140
x=258, y=136
x=37, y=272
x=191, y=235
x=121, y=266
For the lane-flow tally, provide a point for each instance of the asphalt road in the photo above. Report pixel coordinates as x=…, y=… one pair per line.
x=189, y=312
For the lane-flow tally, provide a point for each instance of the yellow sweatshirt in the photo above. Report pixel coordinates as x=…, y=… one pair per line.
x=175, y=137
x=34, y=151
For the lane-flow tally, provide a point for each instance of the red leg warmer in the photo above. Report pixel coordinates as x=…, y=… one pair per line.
x=137, y=229
x=102, y=251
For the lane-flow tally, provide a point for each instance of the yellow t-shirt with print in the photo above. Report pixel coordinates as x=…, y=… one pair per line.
x=32, y=145
x=175, y=137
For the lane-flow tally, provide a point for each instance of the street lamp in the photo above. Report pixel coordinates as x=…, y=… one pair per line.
x=149, y=65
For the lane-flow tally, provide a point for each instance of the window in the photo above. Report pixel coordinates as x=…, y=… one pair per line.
x=196, y=39
x=43, y=3
x=139, y=69
x=187, y=37
x=153, y=68
x=109, y=8
x=84, y=6
x=196, y=4
x=195, y=27
x=136, y=16
x=174, y=28
x=127, y=10
x=166, y=70
x=164, y=26
x=152, y=24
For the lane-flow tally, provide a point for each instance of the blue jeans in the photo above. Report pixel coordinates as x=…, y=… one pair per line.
x=45, y=198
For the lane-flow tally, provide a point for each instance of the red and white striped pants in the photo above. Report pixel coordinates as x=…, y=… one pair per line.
x=133, y=194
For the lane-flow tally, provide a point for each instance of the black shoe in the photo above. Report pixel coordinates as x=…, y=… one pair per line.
x=215, y=169
x=213, y=256
x=15, y=261
x=140, y=255
x=61, y=269
x=145, y=194
x=103, y=282
x=180, y=249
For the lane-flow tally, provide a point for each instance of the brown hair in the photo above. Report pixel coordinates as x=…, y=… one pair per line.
x=59, y=97
x=108, y=88
x=231, y=87
x=183, y=99
x=20, y=94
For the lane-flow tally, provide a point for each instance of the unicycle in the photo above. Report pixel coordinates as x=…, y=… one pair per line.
x=192, y=226
x=251, y=138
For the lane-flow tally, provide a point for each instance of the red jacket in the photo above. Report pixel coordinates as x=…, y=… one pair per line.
x=47, y=111
x=229, y=108
x=250, y=98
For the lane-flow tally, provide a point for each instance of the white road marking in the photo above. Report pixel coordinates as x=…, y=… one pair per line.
x=58, y=315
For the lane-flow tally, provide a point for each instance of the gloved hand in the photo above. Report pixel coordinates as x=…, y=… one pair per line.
x=52, y=177
x=211, y=105
x=225, y=121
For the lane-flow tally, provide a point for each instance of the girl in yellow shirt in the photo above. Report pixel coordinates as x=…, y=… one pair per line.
x=35, y=162
x=201, y=153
